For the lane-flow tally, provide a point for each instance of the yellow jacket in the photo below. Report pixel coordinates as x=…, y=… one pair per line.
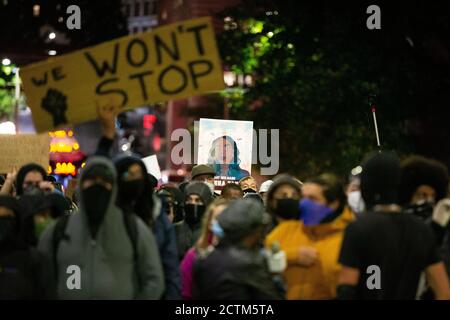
x=320, y=280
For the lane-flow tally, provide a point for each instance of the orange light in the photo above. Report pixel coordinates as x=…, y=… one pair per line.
x=65, y=168
x=70, y=133
x=76, y=146
x=49, y=169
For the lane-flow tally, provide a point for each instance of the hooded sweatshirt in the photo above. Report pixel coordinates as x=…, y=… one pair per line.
x=23, y=171
x=149, y=208
x=24, y=272
x=106, y=264
x=187, y=234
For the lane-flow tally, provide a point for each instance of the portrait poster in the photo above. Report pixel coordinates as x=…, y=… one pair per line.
x=226, y=145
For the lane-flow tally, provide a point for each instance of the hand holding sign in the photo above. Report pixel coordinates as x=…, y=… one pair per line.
x=107, y=116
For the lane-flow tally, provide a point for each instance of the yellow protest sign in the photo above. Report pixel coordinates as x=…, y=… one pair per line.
x=17, y=150
x=169, y=62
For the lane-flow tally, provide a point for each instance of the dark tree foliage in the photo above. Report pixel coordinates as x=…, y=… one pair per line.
x=314, y=65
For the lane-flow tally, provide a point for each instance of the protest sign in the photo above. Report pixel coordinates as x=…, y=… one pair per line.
x=226, y=145
x=151, y=163
x=17, y=150
x=169, y=62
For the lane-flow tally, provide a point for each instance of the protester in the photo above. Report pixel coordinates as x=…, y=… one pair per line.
x=204, y=244
x=353, y=192
x=198, y=197
x=173, y=200
x=312, y=237
x=283, y=197
x=384, y=252
x=236, y=269
x=135, y=195
x=31, y=180
x=231, y=191
x=424, y=182
x=203, y=173
x=25, y=273
x=248, y=184
x=117, y=262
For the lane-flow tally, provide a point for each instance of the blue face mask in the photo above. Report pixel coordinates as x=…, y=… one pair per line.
x=217, y=229
x=312, y=213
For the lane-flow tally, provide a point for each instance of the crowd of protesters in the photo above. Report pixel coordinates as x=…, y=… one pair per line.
x=382, y=235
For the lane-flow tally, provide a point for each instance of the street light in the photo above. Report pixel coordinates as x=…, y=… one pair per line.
x=6, y=62
x=52, y=52
x=52, y=35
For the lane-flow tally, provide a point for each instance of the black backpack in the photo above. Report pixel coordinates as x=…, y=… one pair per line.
x=59, y=233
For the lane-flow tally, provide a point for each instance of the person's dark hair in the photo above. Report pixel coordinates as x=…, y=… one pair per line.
x=182, y=186
x=231, y=186
x=23, y=171
x=332, y=189
x=178, y=199
x=417, y=171
x=380, y=179
x=212, y=155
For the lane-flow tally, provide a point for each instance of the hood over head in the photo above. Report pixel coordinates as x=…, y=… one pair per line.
x=98, y=166
x=23, y=171
x=201, y=189
x=144, y=203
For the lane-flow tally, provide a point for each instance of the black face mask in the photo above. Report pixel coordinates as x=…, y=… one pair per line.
x=96, y=201
x=248, y=190
x=131, y=190
x=7, y=229
x=423, y=210
x=33, y=190
x=193, y=213
x=287, y=209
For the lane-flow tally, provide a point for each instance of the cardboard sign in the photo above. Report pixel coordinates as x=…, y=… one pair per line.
x=151, y=163
x=17, y=150
x=226, y=145
x=169, y=62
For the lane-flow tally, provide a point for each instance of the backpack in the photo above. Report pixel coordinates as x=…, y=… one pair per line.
x=59, y=233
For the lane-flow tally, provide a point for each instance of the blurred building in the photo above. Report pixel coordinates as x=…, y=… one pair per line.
x=181, y=113
x=141, y=15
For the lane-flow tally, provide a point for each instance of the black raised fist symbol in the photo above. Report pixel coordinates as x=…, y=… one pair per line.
x=55, y=103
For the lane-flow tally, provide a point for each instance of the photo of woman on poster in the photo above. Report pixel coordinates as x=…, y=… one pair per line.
x=224, y=157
